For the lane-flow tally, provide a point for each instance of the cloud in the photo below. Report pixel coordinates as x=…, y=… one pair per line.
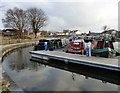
x=56, y=23
x=89, y=16
x=59, y=1
x=83, y=15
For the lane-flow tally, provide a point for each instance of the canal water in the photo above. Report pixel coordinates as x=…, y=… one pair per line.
x=33, y=76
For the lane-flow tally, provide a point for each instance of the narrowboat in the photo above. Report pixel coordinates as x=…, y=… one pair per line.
x=76, y=46
x=52, y=44
x=104, y=49
x=65, y=42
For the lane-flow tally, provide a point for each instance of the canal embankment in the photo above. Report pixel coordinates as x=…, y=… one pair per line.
x=4, y=51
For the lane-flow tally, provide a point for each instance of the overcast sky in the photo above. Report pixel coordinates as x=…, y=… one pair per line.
x=83, y=15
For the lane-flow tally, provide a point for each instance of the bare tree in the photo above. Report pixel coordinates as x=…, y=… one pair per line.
x=36, y=19
x=15, y=19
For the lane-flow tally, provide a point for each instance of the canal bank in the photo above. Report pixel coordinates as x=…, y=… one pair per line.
x=4, y=51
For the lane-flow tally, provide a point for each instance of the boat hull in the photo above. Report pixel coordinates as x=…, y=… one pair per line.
x=74, y=51
x=100, y=52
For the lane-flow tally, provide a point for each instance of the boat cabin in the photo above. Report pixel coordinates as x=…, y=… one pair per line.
x=76, y=46
x=52, y=44
x=103, y=44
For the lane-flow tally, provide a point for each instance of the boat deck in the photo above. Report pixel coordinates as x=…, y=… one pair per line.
x=109, y=63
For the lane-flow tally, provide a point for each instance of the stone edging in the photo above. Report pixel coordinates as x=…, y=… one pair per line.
x=9, y=48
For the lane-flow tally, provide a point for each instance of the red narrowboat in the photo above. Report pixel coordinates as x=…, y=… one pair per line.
x=76, y=47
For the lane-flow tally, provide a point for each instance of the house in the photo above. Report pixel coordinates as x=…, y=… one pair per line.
x=111, y=32
x=78, y=32
x=93, y=34
x=60, y=33
x=73, y=32
x=43, y=33
x=9, y=32
x=25, y=32
x=50, y=33
x=83, y=34
x=0, y=32
x=39, y=33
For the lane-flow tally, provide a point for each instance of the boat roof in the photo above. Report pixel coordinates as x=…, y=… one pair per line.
x=49, y=38
x=79, y=40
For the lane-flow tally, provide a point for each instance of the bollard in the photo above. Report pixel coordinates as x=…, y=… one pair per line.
x=46, y=46
x=88, y=49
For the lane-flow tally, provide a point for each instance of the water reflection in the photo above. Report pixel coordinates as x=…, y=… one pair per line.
x=19, y=62
x=87, y=71
x=33, y=76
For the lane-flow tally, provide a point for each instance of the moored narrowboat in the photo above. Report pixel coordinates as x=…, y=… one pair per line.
x=104, y=49
x=53, y=43
x=76, y=47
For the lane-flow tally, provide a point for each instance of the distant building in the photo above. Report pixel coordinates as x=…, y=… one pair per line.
x=93, y=34
x=112, y=32
x=9, y=32
x=83, y=34
x=66, y=31
x=0, y=32
x=51, y=33
x=74, y=32
x=43, y=33
x=71, y=32
x=39, y=33
x=25, y=32
x=60, y=33
x=109, y=31
x=78, y=32
x=13, y=32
